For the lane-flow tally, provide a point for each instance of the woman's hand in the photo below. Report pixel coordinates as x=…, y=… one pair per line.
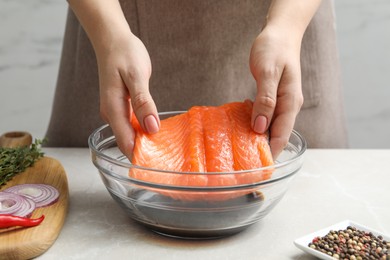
x=275, y=65
x=124, y=72
x=124, y=69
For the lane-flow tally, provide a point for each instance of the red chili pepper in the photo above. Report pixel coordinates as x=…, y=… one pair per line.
x=7, y=220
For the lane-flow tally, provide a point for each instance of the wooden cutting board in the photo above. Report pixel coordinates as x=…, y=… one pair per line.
x=26, y=243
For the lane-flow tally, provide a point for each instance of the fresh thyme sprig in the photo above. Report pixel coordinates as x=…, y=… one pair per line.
x=16, y=160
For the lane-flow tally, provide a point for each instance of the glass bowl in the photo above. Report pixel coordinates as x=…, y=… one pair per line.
x=192, y=212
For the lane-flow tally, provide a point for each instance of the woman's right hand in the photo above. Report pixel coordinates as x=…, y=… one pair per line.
x=124, y=69
x=124, y=73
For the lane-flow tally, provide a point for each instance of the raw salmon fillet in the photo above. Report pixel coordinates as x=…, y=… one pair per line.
x=203, y=140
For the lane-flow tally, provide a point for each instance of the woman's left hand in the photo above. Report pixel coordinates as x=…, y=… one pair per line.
x=275, y=65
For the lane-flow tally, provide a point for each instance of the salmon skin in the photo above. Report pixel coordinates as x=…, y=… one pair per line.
x=204, y=140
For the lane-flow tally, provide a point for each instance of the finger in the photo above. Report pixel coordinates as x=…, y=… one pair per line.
x=280, y=132
x=290, y=100
x=115, y=110
x=266, y=99
x=143, y=105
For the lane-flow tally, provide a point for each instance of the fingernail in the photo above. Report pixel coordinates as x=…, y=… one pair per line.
x=260, y=124
x=151, y=125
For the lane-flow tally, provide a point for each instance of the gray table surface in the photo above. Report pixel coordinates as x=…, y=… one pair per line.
x=332, y=186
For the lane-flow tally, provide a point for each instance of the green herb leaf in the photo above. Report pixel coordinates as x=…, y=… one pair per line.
x=16, y=160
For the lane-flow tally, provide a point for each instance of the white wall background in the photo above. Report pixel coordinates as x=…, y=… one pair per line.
x=30, y=46
x=31, y=35
x=364, y=46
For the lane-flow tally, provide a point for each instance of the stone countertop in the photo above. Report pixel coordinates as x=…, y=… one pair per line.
x=332, y=186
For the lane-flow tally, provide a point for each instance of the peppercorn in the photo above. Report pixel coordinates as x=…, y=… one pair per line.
x=352, y=243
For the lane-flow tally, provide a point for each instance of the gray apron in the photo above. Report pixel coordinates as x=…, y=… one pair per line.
x=200, y=56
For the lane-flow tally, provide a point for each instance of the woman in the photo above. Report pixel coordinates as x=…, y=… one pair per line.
x=200, y=51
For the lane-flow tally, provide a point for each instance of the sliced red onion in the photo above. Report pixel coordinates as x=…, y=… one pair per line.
x=42, y=194
x=17, y=205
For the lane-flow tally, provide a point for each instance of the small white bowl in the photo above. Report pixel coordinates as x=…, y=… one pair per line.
x=303, y=242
